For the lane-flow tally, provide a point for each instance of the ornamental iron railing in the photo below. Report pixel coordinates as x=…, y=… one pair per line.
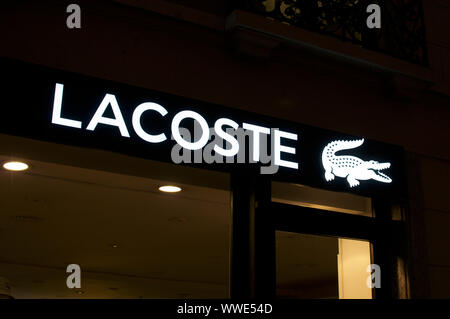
x=402, y=32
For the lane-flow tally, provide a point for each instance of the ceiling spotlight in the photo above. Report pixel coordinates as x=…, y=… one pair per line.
x=15, y=166
x=169, y=189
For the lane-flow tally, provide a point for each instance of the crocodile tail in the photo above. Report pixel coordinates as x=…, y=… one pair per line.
x=339, y=145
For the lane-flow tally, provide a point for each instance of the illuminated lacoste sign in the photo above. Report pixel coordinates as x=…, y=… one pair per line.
x=92, y=113
x=258, y=133
x=352, y=168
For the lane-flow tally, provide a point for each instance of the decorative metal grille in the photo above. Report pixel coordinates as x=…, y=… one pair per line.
x=402, y=32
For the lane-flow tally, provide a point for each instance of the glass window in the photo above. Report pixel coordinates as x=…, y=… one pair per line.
x=130, y=239
x=311, y=266
x=306, y=196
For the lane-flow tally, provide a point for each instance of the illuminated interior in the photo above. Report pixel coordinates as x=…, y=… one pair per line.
x=312, y=266
x=130, y=239
x=106, y=213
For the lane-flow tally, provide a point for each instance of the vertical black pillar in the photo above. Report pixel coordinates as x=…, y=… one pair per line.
x=265, y=254
x=383, y=247
x=252, y=236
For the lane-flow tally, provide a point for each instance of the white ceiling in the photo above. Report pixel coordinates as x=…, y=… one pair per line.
x=169, y=245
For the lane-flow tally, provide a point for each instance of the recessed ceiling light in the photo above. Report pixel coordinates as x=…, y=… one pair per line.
x=114, y=245
x=15, y=166
x=169, y=189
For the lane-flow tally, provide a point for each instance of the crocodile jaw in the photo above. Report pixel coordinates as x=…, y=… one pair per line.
x=379, y=176
x=380, y=166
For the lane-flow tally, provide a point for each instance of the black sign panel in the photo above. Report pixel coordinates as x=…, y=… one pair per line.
x=67, y=108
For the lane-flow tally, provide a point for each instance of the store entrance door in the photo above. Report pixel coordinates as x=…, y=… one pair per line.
x=317, y=254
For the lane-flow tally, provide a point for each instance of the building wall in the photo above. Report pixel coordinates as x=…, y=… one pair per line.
x=436, y=208
x=437, y=17
x=150, y=50
x=435, y=170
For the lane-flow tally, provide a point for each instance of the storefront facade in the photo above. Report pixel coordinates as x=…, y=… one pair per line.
x=117, y=91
